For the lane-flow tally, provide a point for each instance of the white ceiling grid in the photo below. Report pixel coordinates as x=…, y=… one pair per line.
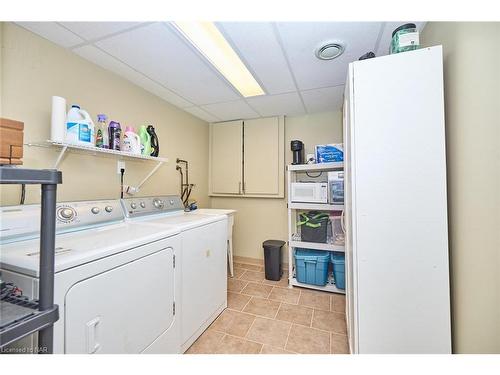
x=280, y=55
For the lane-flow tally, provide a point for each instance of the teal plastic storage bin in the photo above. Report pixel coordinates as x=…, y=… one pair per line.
x=311, y=266
x=338, y=262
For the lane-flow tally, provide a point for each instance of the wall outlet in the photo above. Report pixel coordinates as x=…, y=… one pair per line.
x=119, y=166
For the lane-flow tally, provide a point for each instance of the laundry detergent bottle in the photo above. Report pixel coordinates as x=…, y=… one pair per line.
x=79, y=127
x=131, y=141
x=114, y=132
x=155, y=144
x=101, y=133
x=145, y=141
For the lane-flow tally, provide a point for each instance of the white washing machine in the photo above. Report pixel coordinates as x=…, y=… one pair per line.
x=116, y=283
x=203, y=258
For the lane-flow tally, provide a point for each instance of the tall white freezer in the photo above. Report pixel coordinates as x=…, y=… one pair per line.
x=398, y=295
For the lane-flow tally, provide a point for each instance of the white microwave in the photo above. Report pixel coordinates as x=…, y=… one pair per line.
x=309, y=192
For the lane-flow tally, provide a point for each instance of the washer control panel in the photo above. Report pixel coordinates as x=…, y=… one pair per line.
x=70, y=214
x=24, y=221
x=135, y=207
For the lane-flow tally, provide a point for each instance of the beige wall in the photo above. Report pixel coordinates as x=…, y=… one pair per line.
x=34, y=70
x=260, y=219
x=472, y=98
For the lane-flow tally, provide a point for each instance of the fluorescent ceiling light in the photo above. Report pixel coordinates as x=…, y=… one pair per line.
x=211, y=43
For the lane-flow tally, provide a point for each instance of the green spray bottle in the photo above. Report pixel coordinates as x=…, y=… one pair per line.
x=145, y=141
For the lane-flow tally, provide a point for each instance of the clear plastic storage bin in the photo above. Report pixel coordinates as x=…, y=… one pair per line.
x=338, y=237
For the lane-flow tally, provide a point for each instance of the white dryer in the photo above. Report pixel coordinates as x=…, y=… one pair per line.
x=115, y=282
x=230, y=223
x=203, y=258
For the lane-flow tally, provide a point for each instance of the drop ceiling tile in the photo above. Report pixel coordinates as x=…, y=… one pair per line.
x=324, y=99
x=301, y=39
x=282, y=104
x=158, y=52
x=53, y=32
x=95, y=30
x=200, y=113
x=385, y=40
x=257, y=45
x=108, y=62
x=231, y=110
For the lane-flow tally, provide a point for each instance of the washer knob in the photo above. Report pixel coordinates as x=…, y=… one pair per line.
x=67, y=213
x=158, y=203
x=143, y=205
x=133, y=205
x=108, y=208
x=95, y=210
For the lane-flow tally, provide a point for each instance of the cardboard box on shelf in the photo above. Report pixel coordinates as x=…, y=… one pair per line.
x=11, y=145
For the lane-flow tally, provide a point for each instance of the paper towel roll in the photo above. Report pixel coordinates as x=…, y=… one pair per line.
x=58, y=120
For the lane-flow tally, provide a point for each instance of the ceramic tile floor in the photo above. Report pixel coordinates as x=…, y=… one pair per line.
x=266, y=317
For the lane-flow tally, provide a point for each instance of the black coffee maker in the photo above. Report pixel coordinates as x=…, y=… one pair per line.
x=297, y=148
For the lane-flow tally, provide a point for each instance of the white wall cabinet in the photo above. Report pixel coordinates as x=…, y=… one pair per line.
x=247, y=158
x=226, y=158
x=398, y=292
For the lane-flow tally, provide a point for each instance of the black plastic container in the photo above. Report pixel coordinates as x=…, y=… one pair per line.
x=313, y=227
x=272, y=259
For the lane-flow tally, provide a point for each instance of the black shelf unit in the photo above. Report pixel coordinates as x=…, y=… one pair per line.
x=25, y=317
